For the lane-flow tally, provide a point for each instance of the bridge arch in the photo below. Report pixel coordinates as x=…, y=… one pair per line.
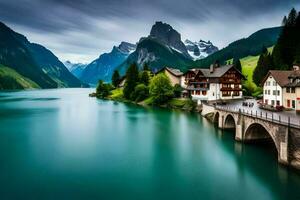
x=216, y=118
x=259, y=132
x=229, y=122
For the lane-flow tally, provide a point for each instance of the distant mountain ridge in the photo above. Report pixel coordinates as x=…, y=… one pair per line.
x=33, y=61
x=75, y=68
x=103, y=67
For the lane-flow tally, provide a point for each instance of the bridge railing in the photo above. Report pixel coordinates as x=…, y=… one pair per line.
x=268, y=116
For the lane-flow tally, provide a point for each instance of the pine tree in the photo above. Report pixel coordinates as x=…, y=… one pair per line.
x=284, y=21
x=132, y=79
x=115, y=78
x=298, y=20
x=144, y=78
x=264, y=64
x=291, y=20
x=237, y=64
x=288, y=44
x=146, y=67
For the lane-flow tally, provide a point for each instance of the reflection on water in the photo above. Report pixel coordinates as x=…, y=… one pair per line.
x=61, y=144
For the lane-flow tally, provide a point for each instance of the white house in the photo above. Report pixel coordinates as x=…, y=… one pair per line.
x=273, y=85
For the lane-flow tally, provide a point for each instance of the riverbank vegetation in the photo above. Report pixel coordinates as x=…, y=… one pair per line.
x=144, y=88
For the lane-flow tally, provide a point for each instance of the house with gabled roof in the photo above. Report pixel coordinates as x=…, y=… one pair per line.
x=175, y=75
x=214, y=83
x=273, y=85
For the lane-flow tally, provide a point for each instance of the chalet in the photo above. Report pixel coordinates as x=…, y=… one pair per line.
x=214, y=84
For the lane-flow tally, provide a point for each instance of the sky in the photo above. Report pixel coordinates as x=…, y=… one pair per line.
x=81, y=30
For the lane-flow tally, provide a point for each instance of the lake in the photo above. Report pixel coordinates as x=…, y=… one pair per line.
x=62, y=144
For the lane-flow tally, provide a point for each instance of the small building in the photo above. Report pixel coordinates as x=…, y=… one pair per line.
x=291, y=92
x=218, y=83
x=273, y=85
x=175, y=75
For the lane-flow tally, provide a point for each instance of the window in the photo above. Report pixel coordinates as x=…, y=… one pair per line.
x=266, y=101
x=269, y=92
x=274, y=92
x=203, y=93
x=293, y=104
x=226, y=93
x=288, y=103
x=193, y=92
x=278, y=93
x=236, y=93
x=277, y=103
x=198, y=92
x=266, y=91
x=272, y=102
x=288, y=90
x=274, y=83
x=292, y=90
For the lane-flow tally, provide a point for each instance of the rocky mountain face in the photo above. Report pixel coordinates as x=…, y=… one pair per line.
x=33, y=61
x=104, y=66
x=167, y=35
x=201, y=49
x=162, y=47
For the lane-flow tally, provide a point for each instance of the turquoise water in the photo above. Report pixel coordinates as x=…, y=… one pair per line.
x=61, y=144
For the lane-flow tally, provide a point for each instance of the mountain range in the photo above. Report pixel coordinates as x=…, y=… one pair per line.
x=103, y=67
x=22, y=61
x=28, y=65
x=163, y=47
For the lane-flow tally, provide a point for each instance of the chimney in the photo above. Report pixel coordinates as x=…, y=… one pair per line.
x=211, y=68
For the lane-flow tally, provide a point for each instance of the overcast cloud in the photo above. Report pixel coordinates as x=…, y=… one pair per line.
x=80, y=30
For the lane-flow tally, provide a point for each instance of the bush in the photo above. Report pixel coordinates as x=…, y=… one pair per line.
x=140, y=93
x=177, y=90
x=103, y=89
x=161, y=89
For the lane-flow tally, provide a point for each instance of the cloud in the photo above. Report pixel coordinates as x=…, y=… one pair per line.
x=80, y=30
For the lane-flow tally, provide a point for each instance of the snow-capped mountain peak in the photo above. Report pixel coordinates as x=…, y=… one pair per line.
x=201, y=49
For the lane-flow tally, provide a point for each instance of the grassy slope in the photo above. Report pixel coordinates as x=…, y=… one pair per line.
x=10, y=79
x=249, y=64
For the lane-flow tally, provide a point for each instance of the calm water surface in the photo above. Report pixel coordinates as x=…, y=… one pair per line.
x=61, y=144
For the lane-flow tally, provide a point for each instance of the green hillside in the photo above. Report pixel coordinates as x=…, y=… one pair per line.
x=10, y=79
x=244, y=47
x=249, y=64
x=15, y=54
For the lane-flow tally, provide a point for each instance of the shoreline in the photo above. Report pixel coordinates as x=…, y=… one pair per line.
x=171, y=106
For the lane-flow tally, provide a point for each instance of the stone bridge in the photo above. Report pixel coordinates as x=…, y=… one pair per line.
x=251, y=127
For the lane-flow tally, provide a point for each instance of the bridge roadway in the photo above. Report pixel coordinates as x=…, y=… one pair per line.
x=253, y=125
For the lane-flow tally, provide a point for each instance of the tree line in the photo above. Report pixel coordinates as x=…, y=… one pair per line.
x=286, y=52
x=140, y=85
